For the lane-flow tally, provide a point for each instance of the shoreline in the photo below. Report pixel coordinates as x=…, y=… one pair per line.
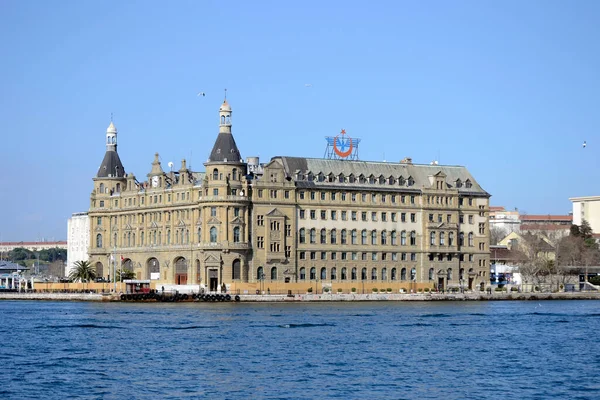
x=109, y=297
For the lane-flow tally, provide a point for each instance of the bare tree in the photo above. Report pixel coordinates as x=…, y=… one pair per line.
x=496, y=234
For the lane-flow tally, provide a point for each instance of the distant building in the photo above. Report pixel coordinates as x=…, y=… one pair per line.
x=78, y=239
x=587, y=208
x=5, y=247
x=554, y=227
x=507, y=221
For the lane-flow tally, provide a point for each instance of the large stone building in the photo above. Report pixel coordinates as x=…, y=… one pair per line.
x=78, y=240
x=299, y=220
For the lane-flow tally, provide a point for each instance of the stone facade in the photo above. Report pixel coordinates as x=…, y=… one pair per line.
x=299, y=219
x=78, y=240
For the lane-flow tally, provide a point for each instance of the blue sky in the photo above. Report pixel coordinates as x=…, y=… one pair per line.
x=509, y=89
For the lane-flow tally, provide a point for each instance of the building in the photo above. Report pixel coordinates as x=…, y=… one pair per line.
x=78, y=239
x=554, y=227
x=289, y=221
x=587, y=208
x=503, y=220
x=6, y=247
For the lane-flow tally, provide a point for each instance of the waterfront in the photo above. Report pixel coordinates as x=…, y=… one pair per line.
x=451, y=350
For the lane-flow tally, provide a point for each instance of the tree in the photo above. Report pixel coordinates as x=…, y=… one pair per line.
x=125, y=274
x=83, y=272
x=496, y=234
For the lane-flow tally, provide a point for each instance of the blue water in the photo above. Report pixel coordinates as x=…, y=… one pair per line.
x=449, y=350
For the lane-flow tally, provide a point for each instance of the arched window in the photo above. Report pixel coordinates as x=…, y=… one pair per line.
x=431, y=274
x=213, y=234
x=413, y=238
x=118, y=188
x=302, y=273
x=403, y=238
x=353, y=274
x=384, y=274
x=101, y=188
x=114, y=242
x=260, y=274
x=470, y=239
x=302, y=236
x=441, y=238
x=363, y=274
x=364, y=236
x=199, y=235
x=450, y=238
x=222, y=120
x=99, y=240
x=432, y=238
x=333, y=236
x=373, y=237
x=461, y=239
x=274, y=273
x=413, y=274
x=313, y=273
x=394, y=238
x=344, y=274
x=394, y=277
x=323, y=273
x=354, y=238
x=169, y=236
x=449, y=274
x=159, y=238
x=374, y=274
x=323, y=236
x=142, y=238
x=344, y=237
x=234, y=174
x=313, y=235
x=236, y=269
x=383, y=237
x=215, y=174
x=236, y=234
x=461, y=273
x=333, y=273
x=128, y=239
x=403, y=274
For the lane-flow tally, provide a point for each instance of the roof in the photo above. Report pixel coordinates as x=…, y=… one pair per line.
x=420, y=174
x=542, y=227
x=225, y=106
x=225, y=150
x=9, y=266
x=547, y=218
x=111, y=166
x=111, y=128
x=496, y=208
x=59, y=243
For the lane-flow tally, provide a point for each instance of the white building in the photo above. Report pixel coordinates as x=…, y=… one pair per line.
x=507, y=221
x=587, y=208
x=78, y=239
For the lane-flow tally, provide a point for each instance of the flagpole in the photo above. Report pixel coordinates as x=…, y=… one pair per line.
x=115, y=268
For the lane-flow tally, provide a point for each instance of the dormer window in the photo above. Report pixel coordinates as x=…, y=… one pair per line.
x=401, y=181
x=310, y=177
x=381, y=180
x=341, y=178
x=331, y=177
x=351, y=178
x=410, y=181
x=361, y=179
x=320, y=177
x=391, y=180
x=458, y=183
x=468, y=184
x=371, y=179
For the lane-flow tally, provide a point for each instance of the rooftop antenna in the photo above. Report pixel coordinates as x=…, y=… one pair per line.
x=225, y=93
x=111, y=117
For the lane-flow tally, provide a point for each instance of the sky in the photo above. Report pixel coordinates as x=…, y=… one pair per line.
x=508, y=89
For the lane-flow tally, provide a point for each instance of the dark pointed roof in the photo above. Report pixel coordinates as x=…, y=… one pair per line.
x=111, y=165
x=225, y=149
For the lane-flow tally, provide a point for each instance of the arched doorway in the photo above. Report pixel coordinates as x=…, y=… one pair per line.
x=153, y=267
x=181, y=271
x=99, y=270
x=236, y=269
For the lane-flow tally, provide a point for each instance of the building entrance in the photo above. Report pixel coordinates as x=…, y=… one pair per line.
x=441, y=284
x=213, y=280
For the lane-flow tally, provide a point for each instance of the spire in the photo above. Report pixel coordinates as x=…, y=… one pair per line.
x=111, y=166
x=156, y=168
x=225, y=149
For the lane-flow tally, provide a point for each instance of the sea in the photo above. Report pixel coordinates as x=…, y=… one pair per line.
x=345, y=350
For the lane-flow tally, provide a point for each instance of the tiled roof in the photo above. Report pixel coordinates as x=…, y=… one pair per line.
x=496, y=208
x=542, y=227
x=546, y=218
x=420, y=173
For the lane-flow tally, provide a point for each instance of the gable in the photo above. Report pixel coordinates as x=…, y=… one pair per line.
x=275, y=213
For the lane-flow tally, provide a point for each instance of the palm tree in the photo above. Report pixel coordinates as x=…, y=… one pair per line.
x=83, y=272
x=125, y=274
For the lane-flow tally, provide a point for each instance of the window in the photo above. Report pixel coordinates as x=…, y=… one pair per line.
x=274, y=225
x=313, y=273
x=353, y=274
x=302, y=214
x=215, y=192
x=332, y=196
x=449, y=274
x=333, y=215
x=213, y=234
x=102, y=202
x=432, y=238
x=312, y=195
x=260, y=193
x=302, y=236
x=482, y=228
x=354, y=236
x=343, y=196
x=412, y=197
x=313, y=235
x=323, y=214
x=383, y=217
x=333, y=273
x=313, y=214
x=394, y=238
x=354, y=256
x=403, y=274
x=322, y=195
x=373, y=256
x=353, y=196
x=413, y=256
x=430, y=217
x=344, y=273
x=413, y=238
x=413, y=217
x=353, y=215
x=302, y=274
x=344, y=216
x=374, y=274
x=288, y=230
x=303, y=255
x=213, y=211
x=470, y=219
x=99, y=240
x=403, y=217
x=364, y=236
x=260, y=242
x=363, y=256
x=363, y=274
x=403, y=238
x=323, y=236
x=383, y=237
x=236, y=234
x=471, y=239
x=363, y=215
x=273, y=194
x=333, y=236
x=313, y=255
x=373, y=216
x=260, y=220
x=363, y=197
x=461, y=239
x=450, y=238
x=215, y=174
x=333, y=255
x=441, y=238
x=301, y=195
